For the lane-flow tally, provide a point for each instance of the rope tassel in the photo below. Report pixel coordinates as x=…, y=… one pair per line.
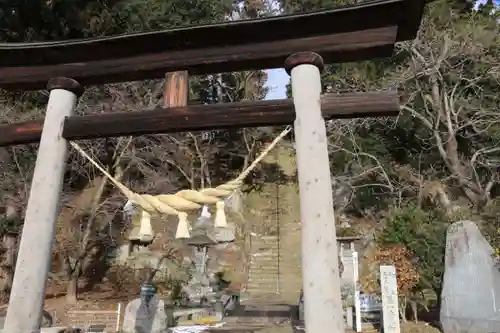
x=146, y=233
x=182, y=227
x=220, y=215
x=205, y=212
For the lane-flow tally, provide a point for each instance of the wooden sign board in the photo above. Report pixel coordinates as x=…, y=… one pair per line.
x=390, y=306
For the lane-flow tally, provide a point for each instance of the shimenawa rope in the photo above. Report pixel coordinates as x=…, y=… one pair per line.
x=183, y=201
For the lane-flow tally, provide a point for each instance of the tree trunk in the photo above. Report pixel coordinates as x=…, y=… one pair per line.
x=81, y=256
x=72, y=269
x=9, y=244
x=75, y=272
x=438, y=291
x=72, y=289
x=402, y=308
x=9, y=263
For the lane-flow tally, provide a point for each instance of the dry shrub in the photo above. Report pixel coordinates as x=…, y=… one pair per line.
x=398, y=256
x=125, y=279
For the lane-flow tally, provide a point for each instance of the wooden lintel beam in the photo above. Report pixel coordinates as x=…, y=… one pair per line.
x=364, y=15
x=204, y=117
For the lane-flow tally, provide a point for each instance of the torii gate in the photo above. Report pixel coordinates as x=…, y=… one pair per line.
x=349, y=33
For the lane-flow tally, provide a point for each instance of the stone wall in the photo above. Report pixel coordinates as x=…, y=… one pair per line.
x=84, y=318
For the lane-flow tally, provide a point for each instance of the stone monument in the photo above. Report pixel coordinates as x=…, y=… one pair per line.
x=145, y=314
x=471, y=284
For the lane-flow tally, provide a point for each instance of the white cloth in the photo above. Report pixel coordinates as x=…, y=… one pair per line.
x=194, y=328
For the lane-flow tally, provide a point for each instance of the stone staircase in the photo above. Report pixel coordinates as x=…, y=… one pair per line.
x=290, y=274
x=275, y=266
x=263, y=275
x=275, y=269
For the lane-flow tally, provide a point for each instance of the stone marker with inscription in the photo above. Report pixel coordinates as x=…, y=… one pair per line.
x=390, y=306
x=471, y=284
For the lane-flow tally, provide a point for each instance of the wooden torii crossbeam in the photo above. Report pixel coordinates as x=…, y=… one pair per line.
x=300, y=43
x=203, y=117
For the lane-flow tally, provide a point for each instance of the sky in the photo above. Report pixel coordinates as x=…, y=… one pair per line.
x=497, y=2
x=277, y=79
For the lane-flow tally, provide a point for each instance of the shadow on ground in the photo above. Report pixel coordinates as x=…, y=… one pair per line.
x=269, y=318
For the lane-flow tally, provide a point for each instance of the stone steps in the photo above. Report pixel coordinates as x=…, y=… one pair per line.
x=290, y=258
x=263, y=273
x=262, y=289
x=276, y=267
x=268, y=258
x=263, y=281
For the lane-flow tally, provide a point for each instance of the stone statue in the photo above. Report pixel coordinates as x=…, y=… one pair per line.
x=145, y=314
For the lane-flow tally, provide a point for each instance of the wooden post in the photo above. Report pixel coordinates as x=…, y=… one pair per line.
x=35, y=250
x=320, y=269
x=118, y=316
x=357, y=303
x=176, y=89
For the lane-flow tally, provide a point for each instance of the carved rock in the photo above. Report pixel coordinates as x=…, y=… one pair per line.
x=471, y=284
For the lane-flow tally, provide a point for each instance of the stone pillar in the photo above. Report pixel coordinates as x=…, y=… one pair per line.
x=320, y=269
x=35, y=250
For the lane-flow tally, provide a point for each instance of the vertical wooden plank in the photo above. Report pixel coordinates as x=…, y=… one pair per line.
x=320, y=267
x=357, y=303
x=176, y=89
x=390, y=307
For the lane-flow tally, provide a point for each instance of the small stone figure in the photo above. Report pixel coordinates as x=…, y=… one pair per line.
x=145, y=314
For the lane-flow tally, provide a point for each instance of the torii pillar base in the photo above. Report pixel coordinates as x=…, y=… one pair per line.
x=24, y=313
x=320, y=270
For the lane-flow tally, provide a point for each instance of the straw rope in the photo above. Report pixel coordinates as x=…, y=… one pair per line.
x=183, y=201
